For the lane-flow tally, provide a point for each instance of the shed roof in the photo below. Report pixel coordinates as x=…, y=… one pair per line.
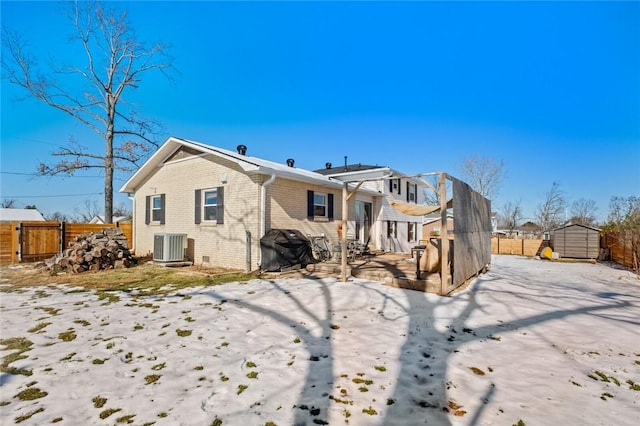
x=17, y=215
x=574, y=225
x=248, y=163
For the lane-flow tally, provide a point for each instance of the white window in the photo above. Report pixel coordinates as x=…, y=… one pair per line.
x=413, y=226
x=319, y=204
x=392, y=229
x=411, y=194
x=156, y=208
x=209, y=204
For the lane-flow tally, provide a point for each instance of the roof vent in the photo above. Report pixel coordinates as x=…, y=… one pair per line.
x=290, y=162
x=327, y=165
x=242, y=149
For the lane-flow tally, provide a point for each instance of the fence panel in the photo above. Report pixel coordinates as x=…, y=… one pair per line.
x=8, y=243
x=620, y=247
x=39, y=240
x=522, y=247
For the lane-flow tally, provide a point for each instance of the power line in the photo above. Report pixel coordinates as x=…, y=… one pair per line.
x=53, y=196
x=58, y=176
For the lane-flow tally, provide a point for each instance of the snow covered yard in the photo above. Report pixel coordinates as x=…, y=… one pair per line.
x=532, y=341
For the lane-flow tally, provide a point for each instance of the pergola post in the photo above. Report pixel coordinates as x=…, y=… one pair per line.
x=343, y=236
x=444, y=234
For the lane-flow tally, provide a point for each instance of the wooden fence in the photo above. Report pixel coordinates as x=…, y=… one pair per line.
x=620, y=247
x=523, y=247
x=32, y=241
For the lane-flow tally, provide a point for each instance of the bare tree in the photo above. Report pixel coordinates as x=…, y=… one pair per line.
x=94, y=93
x=484, y=175
x=583, y=212
x=550, y=212
x=88, y=212
x=122, y=210
x=59, y=217
x=8, y=204
x=511, y=216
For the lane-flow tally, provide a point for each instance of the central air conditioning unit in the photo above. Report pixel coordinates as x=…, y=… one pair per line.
x=169, y=247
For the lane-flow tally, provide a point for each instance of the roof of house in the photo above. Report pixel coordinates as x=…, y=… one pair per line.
x=16, y=215
x=330, y=170
x=248, y=163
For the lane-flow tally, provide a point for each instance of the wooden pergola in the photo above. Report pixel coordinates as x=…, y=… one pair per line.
x=471, y=200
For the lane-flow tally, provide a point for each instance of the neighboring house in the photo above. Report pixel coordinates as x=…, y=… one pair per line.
x=20, y=215
x=225, y=201
x=387, y=228
x=116, y=219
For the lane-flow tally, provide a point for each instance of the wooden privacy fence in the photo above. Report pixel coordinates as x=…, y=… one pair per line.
x=620, y=247
x=33, y=241
x=523, y=247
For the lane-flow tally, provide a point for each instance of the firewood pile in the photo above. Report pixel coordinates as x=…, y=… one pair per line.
x=106, y=249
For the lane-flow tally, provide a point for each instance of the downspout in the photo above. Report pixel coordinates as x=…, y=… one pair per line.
x=133, y=220
x=263, y=211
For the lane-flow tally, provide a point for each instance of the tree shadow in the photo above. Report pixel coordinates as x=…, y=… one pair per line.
x=436, y=328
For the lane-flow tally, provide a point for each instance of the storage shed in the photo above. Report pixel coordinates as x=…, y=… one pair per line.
x=576, y=241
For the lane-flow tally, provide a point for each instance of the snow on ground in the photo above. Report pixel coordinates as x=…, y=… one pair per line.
x=533, y=341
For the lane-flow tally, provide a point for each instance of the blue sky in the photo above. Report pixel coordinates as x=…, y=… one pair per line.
x=552, y=89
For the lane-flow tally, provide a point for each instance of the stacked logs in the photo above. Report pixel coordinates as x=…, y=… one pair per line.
x=106, y=249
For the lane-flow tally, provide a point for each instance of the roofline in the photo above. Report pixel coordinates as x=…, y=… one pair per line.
x=168, y=147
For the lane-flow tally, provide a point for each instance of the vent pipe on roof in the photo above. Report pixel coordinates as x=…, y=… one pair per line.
x=345, y=163
x=327, y=165
x=242, y=149
x=290, y=162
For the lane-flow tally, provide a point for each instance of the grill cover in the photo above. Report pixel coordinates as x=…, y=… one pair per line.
x=284, y=248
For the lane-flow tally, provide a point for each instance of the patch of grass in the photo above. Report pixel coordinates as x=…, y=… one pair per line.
x=152, y=378
x=576, y=383
x=183, y=333
x=163, y=414
x=252, y=375
x=99, y=402
x=109, y=411
x=380, y=368
x=370, y=411
x=223, y=378
x=21, y=345
x=82, y=322
x=359, y=381
x=30, y=394
x=98, y=361
x=27, y=416
x=477, y=371
x=633, y=386
x=51, y=311
x=224, y=344
x=68, y=357
x=57, y=420
x=520, y=423
x=67, y=336
x=241, y=388
x=391, y=401
x=216, y=422
x=296, y=340
x=38, y=327
x=189, y=319
x=108, y=297
x=198, y=367
x=335, y=327
x=605, y=395
x=363, y=389
x=126, y=419
x=251, y=364
x=159, y=366
x=496, y=338
x=138, y=327
x=111, y=345
x=340, y=401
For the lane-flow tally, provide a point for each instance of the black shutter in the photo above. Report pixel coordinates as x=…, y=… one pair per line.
x=198, y=206
x=330, y=206
x=310, y=205
x=147, y=209
x=399, y=186
x=162, y=208
x=220, y=206
x=408, y=191
x=391, y=186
